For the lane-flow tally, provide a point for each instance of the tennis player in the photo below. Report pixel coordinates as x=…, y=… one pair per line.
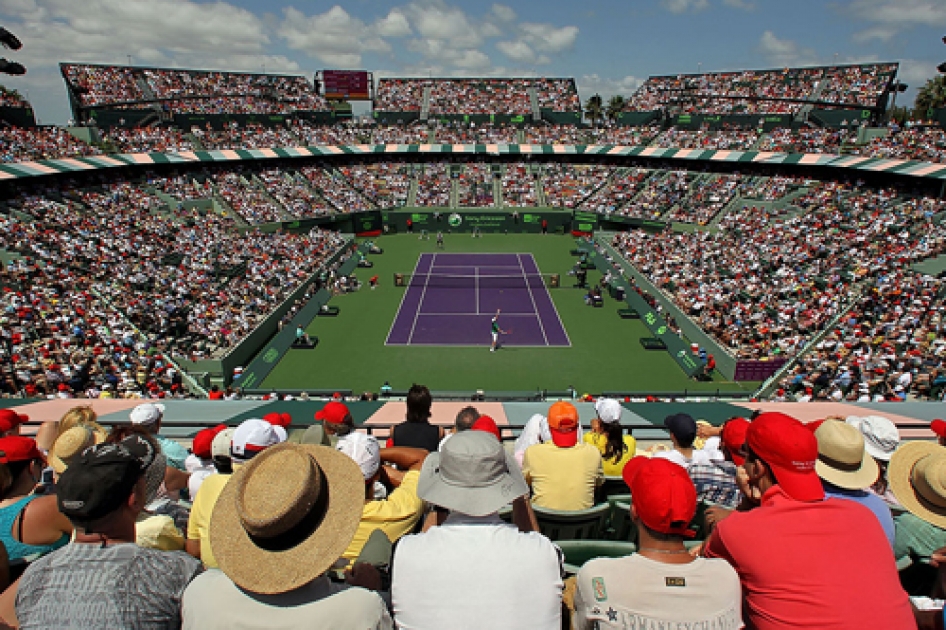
x=439, y=239
x=496, y=332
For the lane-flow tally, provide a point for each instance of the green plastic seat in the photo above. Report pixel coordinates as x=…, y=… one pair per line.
x=611, y=485
x=576, y=525
x=621, y=527
x=578, y=552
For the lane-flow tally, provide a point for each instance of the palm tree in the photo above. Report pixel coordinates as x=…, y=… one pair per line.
x=615, y=107
x=931, y=96
x=594, y=109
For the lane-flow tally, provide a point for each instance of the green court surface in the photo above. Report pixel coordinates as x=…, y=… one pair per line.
x=605, y=354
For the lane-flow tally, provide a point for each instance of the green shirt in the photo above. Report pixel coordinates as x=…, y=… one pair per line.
x=495, y=326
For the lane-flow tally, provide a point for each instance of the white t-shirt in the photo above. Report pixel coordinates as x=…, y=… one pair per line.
x=699, y=457
x=213, y=601
x=637, y=592
x=476, y=573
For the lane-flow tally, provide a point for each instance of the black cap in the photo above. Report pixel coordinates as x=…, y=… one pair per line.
x=103, y=476
x=683, y=427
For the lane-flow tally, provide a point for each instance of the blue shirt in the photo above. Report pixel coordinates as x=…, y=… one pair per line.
x=869, y=500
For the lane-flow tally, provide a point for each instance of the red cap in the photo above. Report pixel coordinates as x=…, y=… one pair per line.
x=487, y=424
x=333, y=413
x=201, y=446
x=790, y=450
x=734, y=439
x=18, y=448
x=563, y=424
x=662, y=494
x=938, y=427
x=279, y=419
x=814, y=424
x=10, y=419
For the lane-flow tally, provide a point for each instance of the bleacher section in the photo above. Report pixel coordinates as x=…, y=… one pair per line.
x=486, y=96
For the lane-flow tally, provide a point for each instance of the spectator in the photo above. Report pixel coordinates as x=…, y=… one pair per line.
x=69, y=446
x=646, y=589
x=608, y=437
x=535, y=432
x=396, y=514
x=252, y=437
x=487, y=425
x=715, y=480
x=831, y=555
x=464, y=422
x=938, y=426
x=469, y=572
x=847, y=470
x=103, y=580
x=200, y=463
x=881, y=440
x=10, y=422
x=46, y=529
x=563, y=473
x=148, y=416
x=275, y=548
x=336, y=420
x=682, y=430
x=417, y=431
x=915, y=481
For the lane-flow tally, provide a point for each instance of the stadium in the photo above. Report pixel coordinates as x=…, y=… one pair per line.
x=227, y=246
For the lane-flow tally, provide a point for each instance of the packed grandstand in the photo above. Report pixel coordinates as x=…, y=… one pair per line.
x=781, y=214
x=195, y=240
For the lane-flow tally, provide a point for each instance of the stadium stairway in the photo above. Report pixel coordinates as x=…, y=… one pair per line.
x=498, y=192
x=425, y=104
x=534, y=103
x=540, y=198
x=255, y=182
x=802, y=115
x=412, y=193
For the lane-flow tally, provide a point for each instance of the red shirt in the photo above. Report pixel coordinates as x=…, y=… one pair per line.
x=821, y=564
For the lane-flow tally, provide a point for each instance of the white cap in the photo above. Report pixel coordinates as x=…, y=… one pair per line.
x=280, y=433
x=220, y=446
x=608, y=410
x=251, y=437
x=881, y=436
x=364, y=450
x=146, y=414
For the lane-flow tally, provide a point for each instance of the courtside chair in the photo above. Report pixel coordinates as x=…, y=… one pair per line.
x=577, y=525
x=621, y=527
x=578, y=552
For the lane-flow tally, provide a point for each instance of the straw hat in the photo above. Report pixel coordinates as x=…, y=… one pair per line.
x=69, y=445
x=284, y=518
x=917, y=477
x=842, y=459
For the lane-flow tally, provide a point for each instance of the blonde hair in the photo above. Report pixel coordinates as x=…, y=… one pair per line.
x=80, y=416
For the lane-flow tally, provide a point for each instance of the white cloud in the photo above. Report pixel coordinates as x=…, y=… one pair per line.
x=518, y=51
x=891, y=18
x=394, y=24
x=334, y=37
x=682, y=6
x=176, y=33
x=785, y=52
x=535, y=39
x=503, y=13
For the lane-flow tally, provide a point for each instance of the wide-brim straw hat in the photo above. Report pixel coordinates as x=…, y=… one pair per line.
x=285, y=517
x=70, y=445
x=917, y=477
x=842, y=459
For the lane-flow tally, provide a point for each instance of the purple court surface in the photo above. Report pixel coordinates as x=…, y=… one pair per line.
x=452, y=298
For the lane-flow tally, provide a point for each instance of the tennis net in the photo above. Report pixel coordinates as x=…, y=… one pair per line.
x=471, y=281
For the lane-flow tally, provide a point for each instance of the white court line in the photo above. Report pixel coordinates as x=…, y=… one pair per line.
x=420, y=304
x=476, y=287
x=468, y=314
x=397, y=313
x=535, y=309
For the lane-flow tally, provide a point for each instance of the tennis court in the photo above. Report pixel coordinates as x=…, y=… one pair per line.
x=450, y=300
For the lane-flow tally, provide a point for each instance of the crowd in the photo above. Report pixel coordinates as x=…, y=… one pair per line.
x=658, y=193
x=296, y=197
x=477, y=96
x=147, y=139
x=707, y=196
x=725, y=139
x=772, y=188
x=250, y=136
x=247, y=199
x=383, y=184
x=804, y=140
x=475, y=186
x=622, y=188
x=197, y=91
x=764, y=286
x=844, y=499
x=433, y=185
x=335, y=189
x=40, y=143
x=477, y=134
x=518, y=185
x=567, y=185
x=927, y=144
x=764, y=91
x=12, y=98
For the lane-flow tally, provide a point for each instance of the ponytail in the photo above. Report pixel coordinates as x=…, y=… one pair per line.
x=615, y=448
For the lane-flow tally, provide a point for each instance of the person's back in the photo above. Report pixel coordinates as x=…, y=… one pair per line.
x=824, y=564
x=562, y=478
x=121, y=586
x=470, y=572
x=638, y=592
x=417, y=435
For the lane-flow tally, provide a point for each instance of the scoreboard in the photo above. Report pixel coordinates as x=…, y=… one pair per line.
x=346, y=85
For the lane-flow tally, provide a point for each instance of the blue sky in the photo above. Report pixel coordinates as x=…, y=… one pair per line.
x=609, y=46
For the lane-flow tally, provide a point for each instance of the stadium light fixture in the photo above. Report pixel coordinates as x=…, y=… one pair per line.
x=11, y=41
x=942, y=68
x=11, y=67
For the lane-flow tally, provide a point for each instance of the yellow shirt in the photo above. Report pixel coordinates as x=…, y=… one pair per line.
x=395, y=516
x=600, y=441
x=198, y=525
x=563, y=478
x=159, y=532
